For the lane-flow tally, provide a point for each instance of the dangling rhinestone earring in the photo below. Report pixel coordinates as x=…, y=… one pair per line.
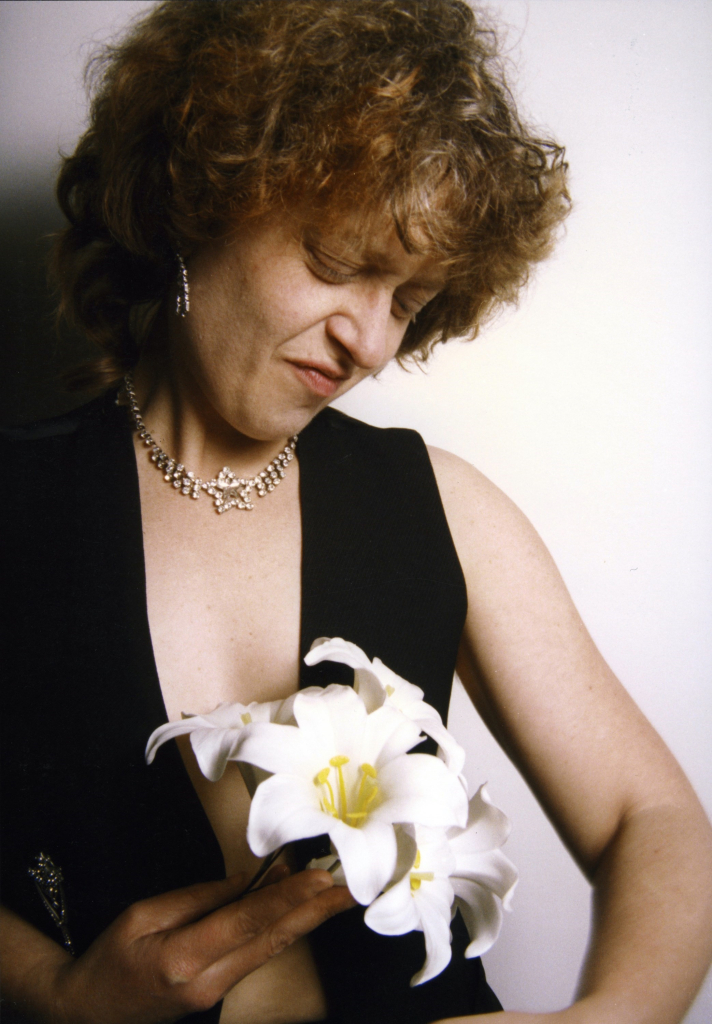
x=183, y=297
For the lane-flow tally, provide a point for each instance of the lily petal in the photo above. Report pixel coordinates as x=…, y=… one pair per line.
x=284, y=808
x=434, y=910
x=487, y=827
x=229, y=716
x=368, y=855
x=212, y=749
x=233, y=717
x=280, y=748
x=366, y=683
x=481, y=912
x=400, y=691
x=419, y=788
x=435, y=852
x=453, y=754
x=490, y=869
x=337, y=649
x=394, y=912
x=387, y=734
x=252, y=776
x=167, y=732
x=330, y=717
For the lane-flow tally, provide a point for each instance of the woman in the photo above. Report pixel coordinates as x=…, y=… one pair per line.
x=272, y=202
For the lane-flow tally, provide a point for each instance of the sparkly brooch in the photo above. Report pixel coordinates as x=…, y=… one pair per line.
x=49, y=882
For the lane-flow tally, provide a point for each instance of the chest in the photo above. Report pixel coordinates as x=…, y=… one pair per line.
x=223, y=596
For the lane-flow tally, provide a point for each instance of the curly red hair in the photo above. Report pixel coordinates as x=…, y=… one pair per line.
x=212, y=112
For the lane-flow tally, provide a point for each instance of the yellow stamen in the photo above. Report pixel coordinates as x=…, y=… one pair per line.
x=367, y=793
x=389, y=690
x=363, y=799
x=338, y=762
x=246, y=718
x=418, y=877
x=322, y=779
x=371, y=797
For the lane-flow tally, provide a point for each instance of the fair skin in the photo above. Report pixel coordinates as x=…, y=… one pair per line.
x=277, y=329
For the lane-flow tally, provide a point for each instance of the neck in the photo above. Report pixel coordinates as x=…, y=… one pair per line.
x=182, y=422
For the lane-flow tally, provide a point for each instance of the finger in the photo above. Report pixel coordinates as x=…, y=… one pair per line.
x=206, y=941
x=181, y=907
x=234, y=966
x=275, y=874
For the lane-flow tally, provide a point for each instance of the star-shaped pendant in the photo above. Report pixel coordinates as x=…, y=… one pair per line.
x=230, y=491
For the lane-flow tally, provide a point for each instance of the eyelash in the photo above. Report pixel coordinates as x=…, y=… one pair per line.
x=336, y=277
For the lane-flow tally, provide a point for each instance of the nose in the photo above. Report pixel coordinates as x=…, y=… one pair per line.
x=363, y=326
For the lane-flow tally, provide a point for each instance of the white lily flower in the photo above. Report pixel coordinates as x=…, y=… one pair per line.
x=446, y=870
x=482, y=872
x=346, y=773
x=377, y=685
x=213, y=735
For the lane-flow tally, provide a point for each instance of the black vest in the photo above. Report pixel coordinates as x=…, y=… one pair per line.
x=82, y=694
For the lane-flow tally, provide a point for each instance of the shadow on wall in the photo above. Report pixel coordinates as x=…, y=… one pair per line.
x=33, y=354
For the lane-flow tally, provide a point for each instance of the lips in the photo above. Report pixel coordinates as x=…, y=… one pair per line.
x=320, y=379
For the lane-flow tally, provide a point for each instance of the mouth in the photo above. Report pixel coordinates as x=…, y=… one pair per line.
x=321, y=379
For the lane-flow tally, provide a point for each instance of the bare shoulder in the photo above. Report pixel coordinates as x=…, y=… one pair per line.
x=487, y=527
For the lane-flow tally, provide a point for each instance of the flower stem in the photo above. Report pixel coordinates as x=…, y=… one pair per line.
x=264, y=868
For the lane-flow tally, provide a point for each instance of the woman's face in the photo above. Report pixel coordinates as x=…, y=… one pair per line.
x=283, y=319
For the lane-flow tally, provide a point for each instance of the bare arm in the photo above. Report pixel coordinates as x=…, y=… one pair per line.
x=165, y=957
x=605, y=778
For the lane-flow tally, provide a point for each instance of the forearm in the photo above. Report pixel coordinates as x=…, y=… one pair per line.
x=652, y=929
x=29, y=966
x=651, y=941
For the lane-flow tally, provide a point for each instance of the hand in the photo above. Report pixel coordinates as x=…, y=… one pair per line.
x=181, y=952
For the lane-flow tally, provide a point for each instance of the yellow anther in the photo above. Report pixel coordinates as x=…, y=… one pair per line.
x=322, y=779
x=414, y=884
x=246, y=718
x=339, y=760
x=369, y=770
x=416, y=862
x=389, y=690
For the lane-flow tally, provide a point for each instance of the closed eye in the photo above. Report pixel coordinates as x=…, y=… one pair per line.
x=335, y=271
x=330, y=269
x=414, y=303
x=401, y=311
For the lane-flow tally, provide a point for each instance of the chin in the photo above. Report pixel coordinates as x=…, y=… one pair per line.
x=277, y=427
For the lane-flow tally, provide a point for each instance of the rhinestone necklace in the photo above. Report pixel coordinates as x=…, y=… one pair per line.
x=227, y=489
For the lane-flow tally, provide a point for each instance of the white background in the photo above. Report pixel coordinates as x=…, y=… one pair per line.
x=590, y=406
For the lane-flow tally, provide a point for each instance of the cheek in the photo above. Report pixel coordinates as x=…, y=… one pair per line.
x=229, y=323
x=294, y=306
